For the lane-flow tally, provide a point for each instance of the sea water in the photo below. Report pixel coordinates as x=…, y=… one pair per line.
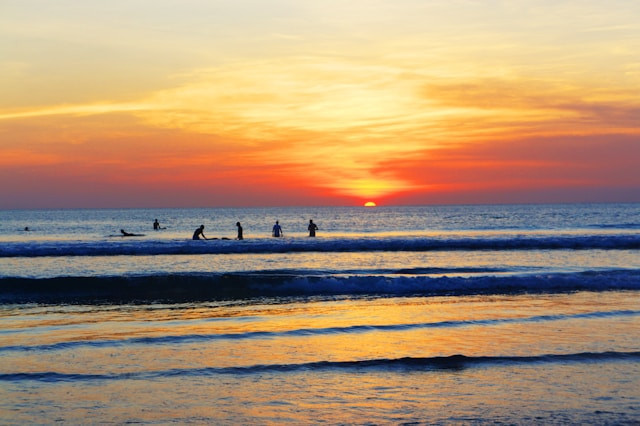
x=433, y=314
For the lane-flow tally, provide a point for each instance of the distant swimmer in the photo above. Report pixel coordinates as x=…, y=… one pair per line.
x=312, y=228
x=156, y=225
x=277, y=230
x=26, y=229
x=239, y=231
x=129, y=234
x=198, y=232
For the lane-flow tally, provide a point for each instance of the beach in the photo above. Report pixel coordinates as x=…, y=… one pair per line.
x=391, y=315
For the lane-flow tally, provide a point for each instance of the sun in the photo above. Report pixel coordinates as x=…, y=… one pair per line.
x=369, y=204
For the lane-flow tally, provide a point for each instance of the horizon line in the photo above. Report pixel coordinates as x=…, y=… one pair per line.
x=325, y=206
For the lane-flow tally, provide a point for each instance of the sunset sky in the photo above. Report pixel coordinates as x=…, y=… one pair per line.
x=159, y=103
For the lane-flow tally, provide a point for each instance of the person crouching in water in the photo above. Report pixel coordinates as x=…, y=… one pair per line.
x=198, y=232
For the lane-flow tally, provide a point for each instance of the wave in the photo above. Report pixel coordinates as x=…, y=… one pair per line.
x=292, y=245
x=353, y=329
x=453, y=362
x=426, y=270
x=628, y=225
x=176, y=288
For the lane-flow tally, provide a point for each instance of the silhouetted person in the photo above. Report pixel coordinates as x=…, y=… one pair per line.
x=198, y=232
x=312, y=228
x=129, y=234
x=26, y=229
x=156, y=225
x=239, y=231
x=277, y=230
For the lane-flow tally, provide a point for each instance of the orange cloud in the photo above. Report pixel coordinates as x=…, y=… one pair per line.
x=569, y=165
x=27, y=158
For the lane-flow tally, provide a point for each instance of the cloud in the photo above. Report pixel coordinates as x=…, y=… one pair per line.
x=540, y=105
x=405, y=114
x=27, y=158
x=561, y=164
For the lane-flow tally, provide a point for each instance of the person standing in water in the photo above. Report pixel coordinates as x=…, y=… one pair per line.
x=312, y=228
x=277, y=230
x=240, y=237
x=198, y=232
x=156, y=225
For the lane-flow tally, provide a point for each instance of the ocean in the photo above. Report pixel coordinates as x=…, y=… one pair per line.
x=515, y=314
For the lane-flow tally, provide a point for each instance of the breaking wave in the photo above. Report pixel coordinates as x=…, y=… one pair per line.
x=174, y=288
x=293, y=245
x=439, y=363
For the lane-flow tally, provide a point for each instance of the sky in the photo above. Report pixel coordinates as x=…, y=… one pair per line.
x=197, y=103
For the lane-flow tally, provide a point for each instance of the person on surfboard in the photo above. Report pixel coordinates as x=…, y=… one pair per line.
x=198, y=232
x=129, y=234
x=277, y=230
